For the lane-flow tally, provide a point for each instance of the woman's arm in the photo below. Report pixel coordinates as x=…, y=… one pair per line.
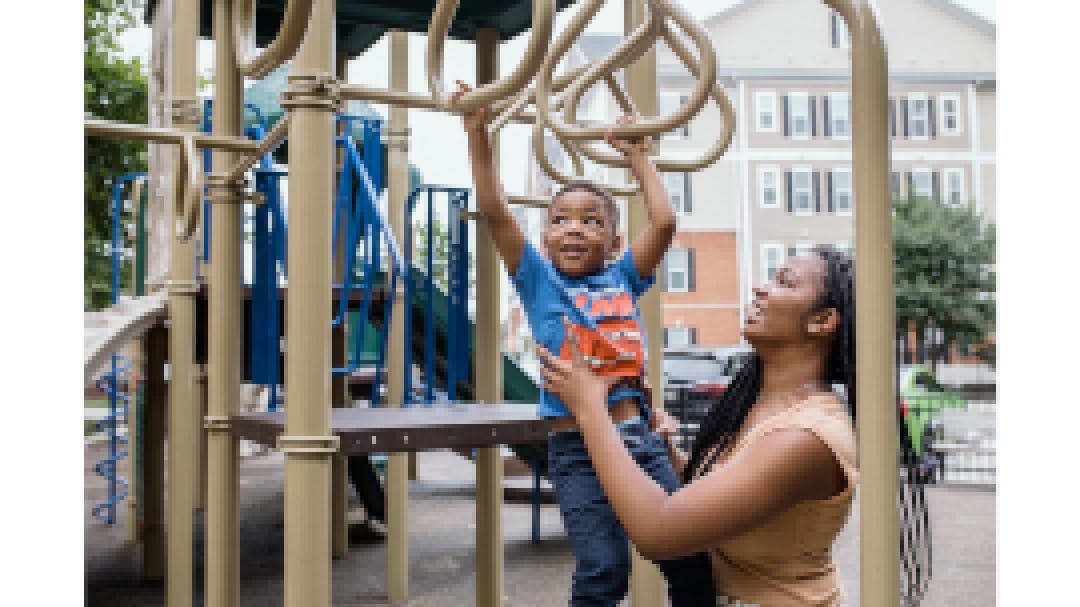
x=772, y=474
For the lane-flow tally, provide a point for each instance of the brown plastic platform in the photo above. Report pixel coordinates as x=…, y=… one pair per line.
x=392, y=430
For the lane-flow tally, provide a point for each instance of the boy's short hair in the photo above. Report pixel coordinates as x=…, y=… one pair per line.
x=584, y=185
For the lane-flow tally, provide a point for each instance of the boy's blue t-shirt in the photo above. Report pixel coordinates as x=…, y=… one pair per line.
x=603, y=304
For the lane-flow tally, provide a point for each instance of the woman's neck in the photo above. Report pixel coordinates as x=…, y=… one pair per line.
x=790, y=369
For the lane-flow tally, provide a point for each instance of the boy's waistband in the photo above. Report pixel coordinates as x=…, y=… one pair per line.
x=621, y=411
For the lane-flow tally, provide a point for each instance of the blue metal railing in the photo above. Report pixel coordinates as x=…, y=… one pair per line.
x=358, y=215
x=118, y=487
x=457, y=281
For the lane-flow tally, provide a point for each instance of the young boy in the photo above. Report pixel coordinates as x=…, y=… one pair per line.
x=581, y=277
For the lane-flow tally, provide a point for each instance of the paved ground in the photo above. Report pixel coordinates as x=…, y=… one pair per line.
x=442, y=564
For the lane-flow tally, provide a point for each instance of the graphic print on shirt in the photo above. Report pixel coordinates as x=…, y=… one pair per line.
x=615, y=346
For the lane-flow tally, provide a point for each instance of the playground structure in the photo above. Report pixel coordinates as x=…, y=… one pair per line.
x=316, y=430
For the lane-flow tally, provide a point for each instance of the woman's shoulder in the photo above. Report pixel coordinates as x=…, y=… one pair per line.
x=823, y=414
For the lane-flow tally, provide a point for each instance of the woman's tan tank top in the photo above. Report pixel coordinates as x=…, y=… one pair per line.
x=787, y=562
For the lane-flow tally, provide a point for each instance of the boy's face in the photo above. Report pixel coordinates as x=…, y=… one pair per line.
x=579, y=234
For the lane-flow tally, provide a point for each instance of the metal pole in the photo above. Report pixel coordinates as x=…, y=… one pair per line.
x=879, y=528
x=646, y=582
x=397, y=472
x=307, y=445
x=224, y=331
x=489, y=388
x=182, y=423
x=339, y=525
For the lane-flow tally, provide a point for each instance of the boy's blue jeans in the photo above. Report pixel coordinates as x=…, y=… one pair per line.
x=602, y=575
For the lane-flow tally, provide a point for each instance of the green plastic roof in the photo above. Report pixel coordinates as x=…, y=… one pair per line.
x=361, y=23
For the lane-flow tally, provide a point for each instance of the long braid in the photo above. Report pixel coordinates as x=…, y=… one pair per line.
x=726, y=416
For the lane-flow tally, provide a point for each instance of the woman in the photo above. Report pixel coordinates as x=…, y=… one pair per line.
x=772, y=471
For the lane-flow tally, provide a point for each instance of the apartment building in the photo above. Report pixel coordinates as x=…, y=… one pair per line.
x=786, y=181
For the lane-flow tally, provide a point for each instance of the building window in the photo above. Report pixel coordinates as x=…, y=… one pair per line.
x=669, y=102
x=844, y=246
x=801, y=248
x=840, y=192
x=954, y=187
x=772, y=257
x=839, y=32
x=799, y=122
x=950, y=115
x=838, y=115
x=918, y=117
x=678, y=188
x=894, y=184
x=921, y=183
x=678, y=270
x=769, y=187
x=765, y=101
x=680, y=337
x=801, y=191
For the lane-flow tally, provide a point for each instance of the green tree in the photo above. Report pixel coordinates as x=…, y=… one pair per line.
x=441, y=253
x=944, y=276
x=115, y=88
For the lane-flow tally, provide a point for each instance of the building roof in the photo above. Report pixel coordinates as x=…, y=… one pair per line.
x=979, y=22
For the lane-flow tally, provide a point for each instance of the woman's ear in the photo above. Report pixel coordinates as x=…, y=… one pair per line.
x=823, y=323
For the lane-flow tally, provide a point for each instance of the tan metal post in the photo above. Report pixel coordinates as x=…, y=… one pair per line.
x=339, y=500
x=153, y=567
x=224, y=331
x=397, y=477
x=489, y=381
x=879, y=529
x=182, y=478
x=307, y=445
x=646, y=583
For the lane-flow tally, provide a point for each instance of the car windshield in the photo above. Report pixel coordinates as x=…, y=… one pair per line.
x=694, y=369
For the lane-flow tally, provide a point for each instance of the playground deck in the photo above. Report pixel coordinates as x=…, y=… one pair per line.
x=379, y=430
x=441, y=548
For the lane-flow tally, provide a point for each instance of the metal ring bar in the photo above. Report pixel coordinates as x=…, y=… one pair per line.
x=249, y=60
x=543, y=18
x=716, y=92
x=652, y=127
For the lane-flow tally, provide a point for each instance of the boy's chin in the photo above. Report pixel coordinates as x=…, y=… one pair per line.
x=577, y=268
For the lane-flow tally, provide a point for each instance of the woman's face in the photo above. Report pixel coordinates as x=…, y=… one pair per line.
x=785, y=309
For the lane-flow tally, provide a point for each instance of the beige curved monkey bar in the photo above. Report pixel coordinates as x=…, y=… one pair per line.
x=188, y=190
x=249, y=60
x=719, y=145
x=543, y=18
x=650, y=127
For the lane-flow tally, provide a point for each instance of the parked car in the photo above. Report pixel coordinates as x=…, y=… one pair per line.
x=693, y=379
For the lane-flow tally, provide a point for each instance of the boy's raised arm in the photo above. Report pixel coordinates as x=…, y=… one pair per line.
x=490, y=198
x=649, y=247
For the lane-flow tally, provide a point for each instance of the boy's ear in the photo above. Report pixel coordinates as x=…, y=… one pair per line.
x=616, y=246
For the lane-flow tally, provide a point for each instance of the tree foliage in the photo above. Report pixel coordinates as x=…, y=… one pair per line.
x=944, y=275
x=115, y=88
